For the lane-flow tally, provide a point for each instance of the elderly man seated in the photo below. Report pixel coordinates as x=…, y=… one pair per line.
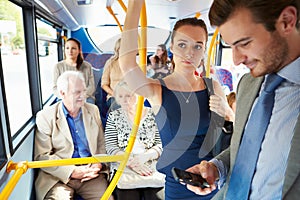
x=70, y=128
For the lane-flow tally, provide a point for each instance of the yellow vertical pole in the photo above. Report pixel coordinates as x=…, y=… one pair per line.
x=122, y=5
x=140, y=104
x=114, y=16
x=197, y=14
x=209, y=56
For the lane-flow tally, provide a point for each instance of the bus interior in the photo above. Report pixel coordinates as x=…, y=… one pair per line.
x=32, y=37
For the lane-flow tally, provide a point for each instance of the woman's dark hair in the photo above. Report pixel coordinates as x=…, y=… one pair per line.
x=265, y=12
x=164, y=56
x=189, y=21
x=79, y=59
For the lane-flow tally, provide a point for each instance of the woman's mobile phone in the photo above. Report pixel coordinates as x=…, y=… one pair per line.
x=183, y=176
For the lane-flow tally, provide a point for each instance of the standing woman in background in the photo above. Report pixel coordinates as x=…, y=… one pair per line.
x=111, y=75
x=180, y=101
x=74, y=62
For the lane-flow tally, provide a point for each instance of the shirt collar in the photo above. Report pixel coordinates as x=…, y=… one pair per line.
x=66, y=112
x=291, y=72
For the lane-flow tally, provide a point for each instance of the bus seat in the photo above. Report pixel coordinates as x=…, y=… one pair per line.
x=100, y=96
x=225, y=78
x=97, y=61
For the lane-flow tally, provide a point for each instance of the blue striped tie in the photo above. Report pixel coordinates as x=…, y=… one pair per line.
x=243, y=170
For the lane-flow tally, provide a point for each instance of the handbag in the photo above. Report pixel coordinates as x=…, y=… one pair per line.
x=131, y=180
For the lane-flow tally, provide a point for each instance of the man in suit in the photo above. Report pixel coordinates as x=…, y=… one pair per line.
x=70, y=128
x=264, y=36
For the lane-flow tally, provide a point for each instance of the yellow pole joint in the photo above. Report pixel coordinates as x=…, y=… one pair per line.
x=20, y=168
x=14, y=166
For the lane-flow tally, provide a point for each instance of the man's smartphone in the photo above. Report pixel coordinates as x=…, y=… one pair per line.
x=189, y=178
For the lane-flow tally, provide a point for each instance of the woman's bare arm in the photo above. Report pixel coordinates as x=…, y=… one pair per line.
x=133, y=75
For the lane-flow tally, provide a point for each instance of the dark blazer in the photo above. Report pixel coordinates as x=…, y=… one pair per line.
x=248, y=89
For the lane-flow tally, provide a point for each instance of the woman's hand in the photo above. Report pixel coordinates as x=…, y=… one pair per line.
x=220, y=106
x=137, y=160
x=142, y=169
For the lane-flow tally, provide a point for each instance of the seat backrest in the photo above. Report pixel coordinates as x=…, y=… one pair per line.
x=97, y=61
x=225, y=78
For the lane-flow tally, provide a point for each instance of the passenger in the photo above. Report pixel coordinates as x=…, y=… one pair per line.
x=265, y=37
x=147, y=145
x=70, y=128
x=160, y=62
x=74, y=62
x=180, y=101
x=111, y=76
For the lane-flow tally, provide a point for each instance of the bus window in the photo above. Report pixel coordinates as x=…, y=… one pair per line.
x=227, y=63
x=15, y=73
x=48, y=57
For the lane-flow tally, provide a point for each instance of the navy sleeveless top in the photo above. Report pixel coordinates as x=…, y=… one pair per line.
x=183, y=120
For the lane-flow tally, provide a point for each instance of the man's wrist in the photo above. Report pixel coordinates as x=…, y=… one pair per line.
x=222, y=171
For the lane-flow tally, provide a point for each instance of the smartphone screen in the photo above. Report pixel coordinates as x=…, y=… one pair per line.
x=189, y=178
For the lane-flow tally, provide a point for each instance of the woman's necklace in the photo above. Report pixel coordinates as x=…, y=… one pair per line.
x=187, y=100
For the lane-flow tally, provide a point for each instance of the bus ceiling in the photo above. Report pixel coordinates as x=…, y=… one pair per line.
x=91, y=13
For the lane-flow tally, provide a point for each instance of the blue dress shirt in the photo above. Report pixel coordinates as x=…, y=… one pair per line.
x=81, y=147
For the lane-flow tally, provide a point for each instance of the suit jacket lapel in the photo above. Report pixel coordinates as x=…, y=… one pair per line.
x=62, y=124
x=293, y=165
x=246, y=95
x=90, y=128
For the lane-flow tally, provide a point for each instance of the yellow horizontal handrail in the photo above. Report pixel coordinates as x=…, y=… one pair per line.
x=71, y=161
x=21, y=167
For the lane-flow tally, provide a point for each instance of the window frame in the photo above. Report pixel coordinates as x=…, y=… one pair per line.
x=9, y=143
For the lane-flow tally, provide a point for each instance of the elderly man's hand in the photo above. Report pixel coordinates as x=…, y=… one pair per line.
x=86, y=172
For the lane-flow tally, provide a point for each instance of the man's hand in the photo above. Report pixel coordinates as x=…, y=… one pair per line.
x=86, y=172
x=209, y=172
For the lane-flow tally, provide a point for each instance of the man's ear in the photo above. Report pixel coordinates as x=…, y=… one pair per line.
x=61, y=93
x=287, y=20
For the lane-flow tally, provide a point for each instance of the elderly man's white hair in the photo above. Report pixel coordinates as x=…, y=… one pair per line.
x=63, y=79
